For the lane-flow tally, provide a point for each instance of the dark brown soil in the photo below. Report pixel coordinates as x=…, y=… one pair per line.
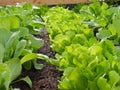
x=45, y=79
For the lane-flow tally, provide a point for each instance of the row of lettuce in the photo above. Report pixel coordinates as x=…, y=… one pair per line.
x=87, y=42
x=18, y=45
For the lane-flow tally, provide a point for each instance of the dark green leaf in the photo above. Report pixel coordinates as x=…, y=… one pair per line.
x=104, y=34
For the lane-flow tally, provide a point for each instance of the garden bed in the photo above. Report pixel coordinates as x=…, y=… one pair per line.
x=79, y=48
x=48, y=77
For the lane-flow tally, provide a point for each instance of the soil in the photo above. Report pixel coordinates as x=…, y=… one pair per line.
x=48, y=77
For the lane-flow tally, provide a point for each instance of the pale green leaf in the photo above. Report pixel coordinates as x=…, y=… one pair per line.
x=19, y=48
x=10, y=45
x=5, y=77
x=2, y=50
x=15, y=68
x=104, y=6
x=28, y=57
x=4, y=36
x=5, y=23
x=102, y=84
x=14, y=21
x=37, y=65
x=35, y=42
x=28, y=81
x=95, y=50
x=114, y=78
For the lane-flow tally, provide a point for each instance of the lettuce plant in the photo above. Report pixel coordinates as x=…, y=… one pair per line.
x=18, y=45
x=87, y=46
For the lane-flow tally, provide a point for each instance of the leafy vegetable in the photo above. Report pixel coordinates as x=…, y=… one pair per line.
x=87, y=44
x=17, y=42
